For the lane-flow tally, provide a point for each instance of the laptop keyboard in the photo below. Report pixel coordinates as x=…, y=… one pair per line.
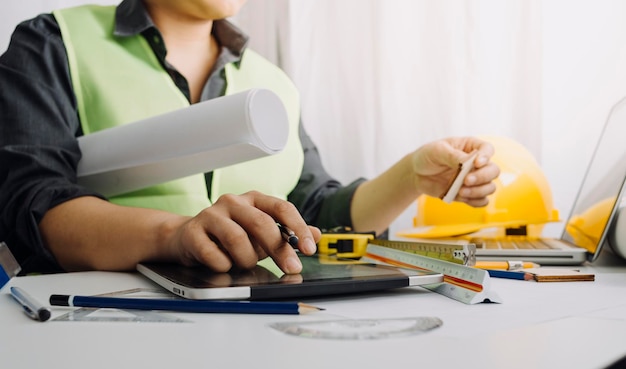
x=510, y=244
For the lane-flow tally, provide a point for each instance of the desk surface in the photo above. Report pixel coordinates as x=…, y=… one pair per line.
x=538, y=325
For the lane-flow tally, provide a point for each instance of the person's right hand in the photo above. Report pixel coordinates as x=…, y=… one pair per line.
x=435, y=164
x=240, y=230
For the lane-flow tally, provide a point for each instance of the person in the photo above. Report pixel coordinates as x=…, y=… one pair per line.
x=83, y=69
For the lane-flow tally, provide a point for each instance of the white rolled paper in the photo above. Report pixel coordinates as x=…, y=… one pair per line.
x=197, y=139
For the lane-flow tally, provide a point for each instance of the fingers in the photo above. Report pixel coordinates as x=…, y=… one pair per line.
x=485, y=152
x=445, y=155
x=482, y=175
x=478, y=185
x=238, y=231
x=462, y=147
x=231, y=240
x=268, y=236
x=197, y=246
x=439, y=161
x=435, y=165
x=476, y=195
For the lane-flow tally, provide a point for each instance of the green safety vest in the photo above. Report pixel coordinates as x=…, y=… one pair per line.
x=119, y=80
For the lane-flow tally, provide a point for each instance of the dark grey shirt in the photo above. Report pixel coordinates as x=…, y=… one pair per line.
x=39, y=125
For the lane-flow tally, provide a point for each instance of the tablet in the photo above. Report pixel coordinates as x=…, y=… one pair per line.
x=321, y=275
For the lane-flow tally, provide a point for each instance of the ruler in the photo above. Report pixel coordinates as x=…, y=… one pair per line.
x=460, y=282
x=117, y=315
x=460, y=252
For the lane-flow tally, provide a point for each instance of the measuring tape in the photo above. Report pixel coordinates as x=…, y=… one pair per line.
x=354, y=245
x=460, y=252
x=345, y=244
x=460, y=282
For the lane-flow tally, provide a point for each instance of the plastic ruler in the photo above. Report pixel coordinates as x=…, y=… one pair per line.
x=117, y=315
x=461, y=252
x=462, y=283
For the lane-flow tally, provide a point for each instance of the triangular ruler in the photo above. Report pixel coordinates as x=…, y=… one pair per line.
x=462, y=283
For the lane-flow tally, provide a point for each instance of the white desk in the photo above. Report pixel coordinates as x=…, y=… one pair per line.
x=539, y=325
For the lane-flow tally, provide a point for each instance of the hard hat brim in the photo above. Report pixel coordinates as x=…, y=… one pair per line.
x=441, y=231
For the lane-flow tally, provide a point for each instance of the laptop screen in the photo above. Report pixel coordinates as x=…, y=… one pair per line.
x=595, y=204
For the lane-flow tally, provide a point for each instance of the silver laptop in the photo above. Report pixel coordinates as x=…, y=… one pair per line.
x=597, y=201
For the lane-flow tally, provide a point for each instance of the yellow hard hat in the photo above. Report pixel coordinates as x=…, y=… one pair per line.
x=586, y=228
x=522, y=199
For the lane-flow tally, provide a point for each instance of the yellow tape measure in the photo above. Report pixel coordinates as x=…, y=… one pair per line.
x=354, y=245
x=460, y=252
x=344, y=245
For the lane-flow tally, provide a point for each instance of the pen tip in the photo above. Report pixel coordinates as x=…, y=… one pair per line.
x=293, y=241
x=44, y=314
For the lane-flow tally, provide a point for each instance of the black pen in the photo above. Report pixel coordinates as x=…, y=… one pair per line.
x=32, y=307
x=288, y=235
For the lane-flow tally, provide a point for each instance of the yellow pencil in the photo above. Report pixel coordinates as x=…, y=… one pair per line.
x=505, y=265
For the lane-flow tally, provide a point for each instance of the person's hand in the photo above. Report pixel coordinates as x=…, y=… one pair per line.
x=240, y=230
x=435, y=165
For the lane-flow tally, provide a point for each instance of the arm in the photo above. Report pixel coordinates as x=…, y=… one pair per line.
x=89, y=233
x=428, y=170
x=372, y=205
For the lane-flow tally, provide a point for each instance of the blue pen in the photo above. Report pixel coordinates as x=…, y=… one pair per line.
x=189, y=306
x=508, y=274
x=32, y=307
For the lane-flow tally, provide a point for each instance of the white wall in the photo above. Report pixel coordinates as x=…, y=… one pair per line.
x=584, y=74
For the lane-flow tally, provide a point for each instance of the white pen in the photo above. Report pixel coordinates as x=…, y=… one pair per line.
x=32, y=307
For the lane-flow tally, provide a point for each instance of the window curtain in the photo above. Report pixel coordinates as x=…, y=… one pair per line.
x=379, y=78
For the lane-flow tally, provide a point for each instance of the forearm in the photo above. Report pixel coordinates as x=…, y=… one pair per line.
x=376, y=203
x=428, y=170
x=88, y=233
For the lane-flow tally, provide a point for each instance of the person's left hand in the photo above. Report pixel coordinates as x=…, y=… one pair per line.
x=435, y=165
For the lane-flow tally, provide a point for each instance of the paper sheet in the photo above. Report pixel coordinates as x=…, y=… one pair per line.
x=196, y=139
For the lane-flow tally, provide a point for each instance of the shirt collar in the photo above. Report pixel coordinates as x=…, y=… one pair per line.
x=131, y=18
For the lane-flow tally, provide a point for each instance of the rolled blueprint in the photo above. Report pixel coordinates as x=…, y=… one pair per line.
x=196, y=139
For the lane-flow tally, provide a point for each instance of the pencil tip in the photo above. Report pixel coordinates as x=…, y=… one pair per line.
x=303, y=308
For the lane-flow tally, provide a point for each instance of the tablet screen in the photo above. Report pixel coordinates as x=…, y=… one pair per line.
x=314, y=269
x=320, y=275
